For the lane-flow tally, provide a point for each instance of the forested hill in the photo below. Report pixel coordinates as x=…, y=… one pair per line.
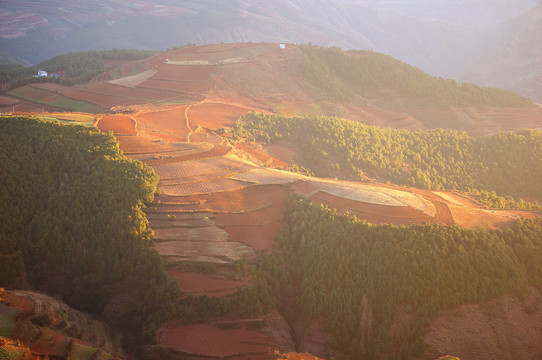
x=376, y=287
x=340, y=75
x=72, y=224
x=507, y=163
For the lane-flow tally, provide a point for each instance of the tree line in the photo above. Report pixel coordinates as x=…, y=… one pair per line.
x=72, y=224
x=502, y=164
x=340, y=75
x=376, y=287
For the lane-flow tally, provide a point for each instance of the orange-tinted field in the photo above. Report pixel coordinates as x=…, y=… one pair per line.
x=211, y=341
x=261, y=156
x=200, y=284
x=214, y=115
x=119, y=124
x=171, y=123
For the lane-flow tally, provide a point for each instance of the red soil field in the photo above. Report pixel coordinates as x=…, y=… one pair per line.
x=204, y=136
x=6, y=101
x=195, y=168
x=176, y=86
x=214, y=115
x=217, y=150
x=203, y=187
x=246, y=199
x=259, y=237
x=27, y=108
x=171, y=121
x=52, y=87
x=200, y=284
x=261, y=156
x=138, y=145
x=224, y=251
x=107, y=101
x=23, y=303
x=283, y=152
x=263, y=216
x=119, y=124
x=373, y=213
x=184, y=72
x=209, y=340
x=220, y=174
x=49, y=343
x=206, y=233
x=117, y=90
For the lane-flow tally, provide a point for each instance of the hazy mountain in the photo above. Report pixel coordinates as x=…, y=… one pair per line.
x=511, y=57
x=427, y=34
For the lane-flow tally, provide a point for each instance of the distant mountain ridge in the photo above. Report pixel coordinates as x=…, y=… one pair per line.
x=512, y=57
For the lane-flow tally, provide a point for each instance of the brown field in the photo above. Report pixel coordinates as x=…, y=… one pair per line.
x=263, y=216
x=138, y=145
x=200, y=284
x=374, y=213
x=179, y=87
x=170, y=122
x=7, y=101
x=246, y=199
x=214, y=115
x=286, y=153
x=215, y=151
x=195, y=167
x=220, y=174
x=258, y=237
x=211, y=341
x=106, y=101
x=52, y=87
x=184, y=72
x=261, y=156
x=119, y=124
x=190, y=250
x=208, y=233
x=138, y=92
x=134, y=80
x=203, y=187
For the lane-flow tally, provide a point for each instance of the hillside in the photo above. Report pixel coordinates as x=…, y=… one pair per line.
x=409, y=30
x=365, y=86
x=271, y=253
x=511, y=58
x=33, y=324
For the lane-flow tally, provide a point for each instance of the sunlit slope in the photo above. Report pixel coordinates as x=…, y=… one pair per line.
x=299, y=80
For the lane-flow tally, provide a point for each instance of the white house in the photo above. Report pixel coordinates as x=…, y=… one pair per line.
x=282, y=46
x=41, y=73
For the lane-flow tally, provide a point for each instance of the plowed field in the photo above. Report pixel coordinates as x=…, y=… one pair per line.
x=261, y=156
x=374, y=213
x=229, y=251
x=177, y=86
x=119, y=124
x=196, y=167
x=184, y=72
x=106, y=101
x=200, y=284
x=214, y=115
x=209, y=340
x=170, y=122
x=259, y=237
x=203, y=187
